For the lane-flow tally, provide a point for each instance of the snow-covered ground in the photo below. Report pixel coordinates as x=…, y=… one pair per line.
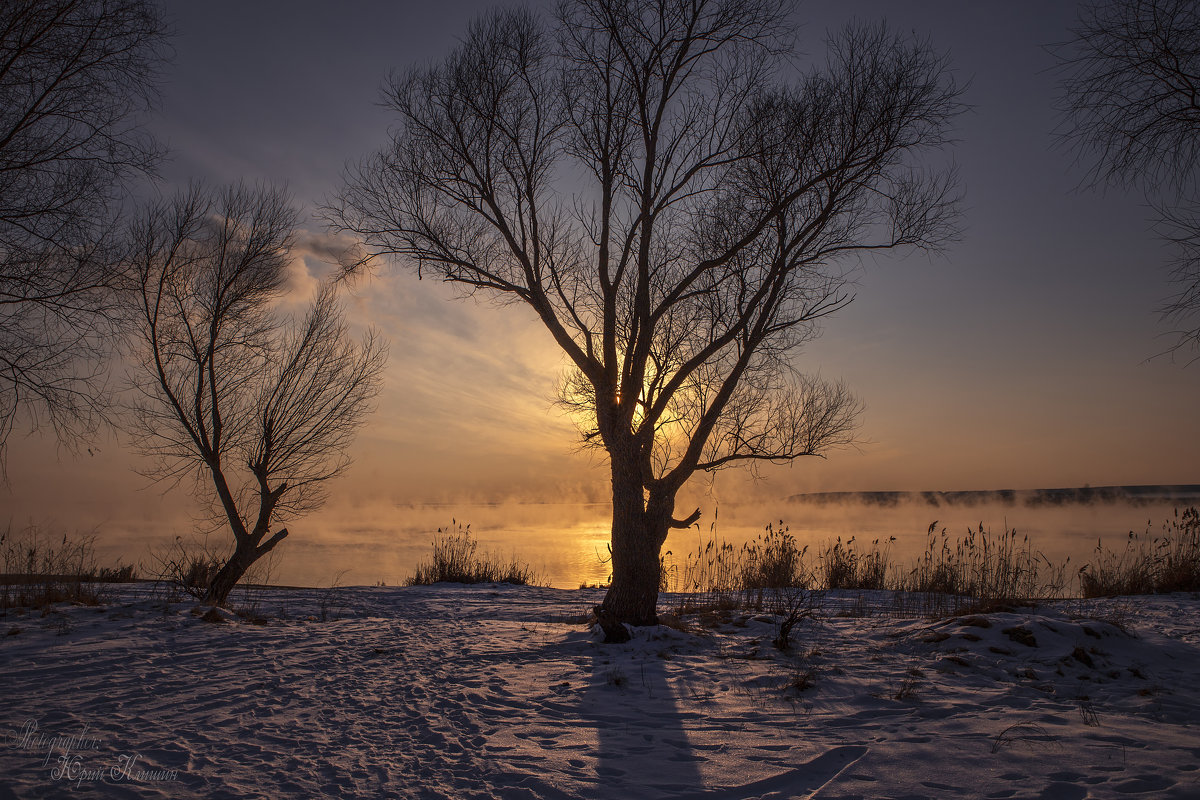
x=481, y=692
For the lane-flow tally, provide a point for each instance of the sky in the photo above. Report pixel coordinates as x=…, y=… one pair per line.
x=1022, y=357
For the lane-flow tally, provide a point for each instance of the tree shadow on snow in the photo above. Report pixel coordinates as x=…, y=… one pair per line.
x=641, y=731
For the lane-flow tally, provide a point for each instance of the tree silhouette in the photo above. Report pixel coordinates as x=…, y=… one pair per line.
x=1131, y=110
x=74, y=75
x=257, y=409
x=679, y=206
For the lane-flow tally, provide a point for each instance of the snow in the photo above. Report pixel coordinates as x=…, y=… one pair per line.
x=482, y=692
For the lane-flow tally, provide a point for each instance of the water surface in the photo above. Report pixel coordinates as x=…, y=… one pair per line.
x=567, y=543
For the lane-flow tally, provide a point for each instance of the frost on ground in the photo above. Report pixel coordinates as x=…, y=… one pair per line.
x=482, y=692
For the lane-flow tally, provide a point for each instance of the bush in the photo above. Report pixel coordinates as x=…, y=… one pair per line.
x=455, y=560
x=187, y=567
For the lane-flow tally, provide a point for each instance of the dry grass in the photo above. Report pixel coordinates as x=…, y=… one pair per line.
x=42, y=567
x=1169, y=562
x=909, y=684
x=187, y=567
x=769, y=572
x=710, y=578
x=978, y=571
x=456, y=559
x=1029, y=734
x=845, y=566
x=981, y=571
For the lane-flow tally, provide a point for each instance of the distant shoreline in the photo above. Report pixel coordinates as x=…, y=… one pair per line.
x=1085, y=495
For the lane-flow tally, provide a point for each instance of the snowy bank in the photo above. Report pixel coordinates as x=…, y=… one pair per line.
x=481, y=692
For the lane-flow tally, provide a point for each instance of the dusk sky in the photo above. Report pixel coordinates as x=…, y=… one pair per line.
x=485, y=606
x=1023, y=357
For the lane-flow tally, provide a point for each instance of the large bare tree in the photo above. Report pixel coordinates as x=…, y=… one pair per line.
x=74, y=77
x=680, y=205
x=1131, y=111
x=259, y=409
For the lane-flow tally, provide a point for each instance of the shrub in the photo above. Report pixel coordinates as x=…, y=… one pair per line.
x=791, y=605
x=187, y=567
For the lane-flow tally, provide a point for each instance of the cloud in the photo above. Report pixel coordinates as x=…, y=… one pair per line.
x=316, y=258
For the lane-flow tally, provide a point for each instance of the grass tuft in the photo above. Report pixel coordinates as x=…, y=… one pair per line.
x=456, y=559
x=844, y=566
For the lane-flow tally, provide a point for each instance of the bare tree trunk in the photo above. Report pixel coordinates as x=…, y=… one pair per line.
x=230, y=574
x=248, y=551
x=637, y=539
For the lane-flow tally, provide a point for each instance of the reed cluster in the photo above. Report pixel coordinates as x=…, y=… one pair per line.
x=41, y=568
x=456, y=559
x=1148, y=563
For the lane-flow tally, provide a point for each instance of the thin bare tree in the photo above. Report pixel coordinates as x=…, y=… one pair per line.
x=257, y=408
x=680, y=205
x=1130, y=108
x=74, y=77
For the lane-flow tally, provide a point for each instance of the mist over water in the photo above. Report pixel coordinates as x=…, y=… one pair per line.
x=567, y=543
